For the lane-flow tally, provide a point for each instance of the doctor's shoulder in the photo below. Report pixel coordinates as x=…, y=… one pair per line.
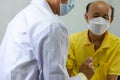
x=57, y=25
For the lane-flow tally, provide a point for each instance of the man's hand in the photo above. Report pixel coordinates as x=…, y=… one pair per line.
x=87, y=68
x=112, y=77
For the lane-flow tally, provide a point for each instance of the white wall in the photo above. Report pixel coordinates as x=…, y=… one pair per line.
x=74, y=20
x=8, y=9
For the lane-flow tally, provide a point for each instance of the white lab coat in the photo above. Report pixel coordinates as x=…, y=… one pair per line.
x=35, y=46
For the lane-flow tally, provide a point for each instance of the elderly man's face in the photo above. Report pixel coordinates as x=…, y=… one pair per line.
x=99, y=9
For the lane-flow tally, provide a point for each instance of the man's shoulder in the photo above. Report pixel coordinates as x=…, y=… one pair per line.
x=78, y=35
x=114, y=37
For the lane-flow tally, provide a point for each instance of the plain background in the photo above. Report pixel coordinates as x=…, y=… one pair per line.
x=74, y=21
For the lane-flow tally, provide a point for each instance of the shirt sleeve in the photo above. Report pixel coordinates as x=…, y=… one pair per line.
x=53, y=48
x=115, y=66
x=54, y=53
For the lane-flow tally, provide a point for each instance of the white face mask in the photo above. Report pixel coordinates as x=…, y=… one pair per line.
x=98, y=25
x=65, y=8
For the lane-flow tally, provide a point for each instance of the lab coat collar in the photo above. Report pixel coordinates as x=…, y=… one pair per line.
x=43, y=4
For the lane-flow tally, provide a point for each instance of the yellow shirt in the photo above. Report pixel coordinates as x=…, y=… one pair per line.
x=106, y=59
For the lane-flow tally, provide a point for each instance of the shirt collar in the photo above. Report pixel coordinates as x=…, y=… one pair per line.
x=106, y=41
x=86, y=39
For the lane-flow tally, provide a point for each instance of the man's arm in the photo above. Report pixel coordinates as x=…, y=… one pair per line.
x=55, y=48
x=114, y=70
x=112, y=77
x=87, y=68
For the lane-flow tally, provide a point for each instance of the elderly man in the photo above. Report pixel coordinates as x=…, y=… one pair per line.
x=96, y=42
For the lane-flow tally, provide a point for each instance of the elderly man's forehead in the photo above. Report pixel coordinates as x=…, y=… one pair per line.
x=99, y=4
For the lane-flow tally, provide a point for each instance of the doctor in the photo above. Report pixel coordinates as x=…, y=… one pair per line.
x=36, y=42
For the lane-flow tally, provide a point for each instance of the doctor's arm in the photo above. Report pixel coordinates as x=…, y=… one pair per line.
x=55, y=54
x=55, y=48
